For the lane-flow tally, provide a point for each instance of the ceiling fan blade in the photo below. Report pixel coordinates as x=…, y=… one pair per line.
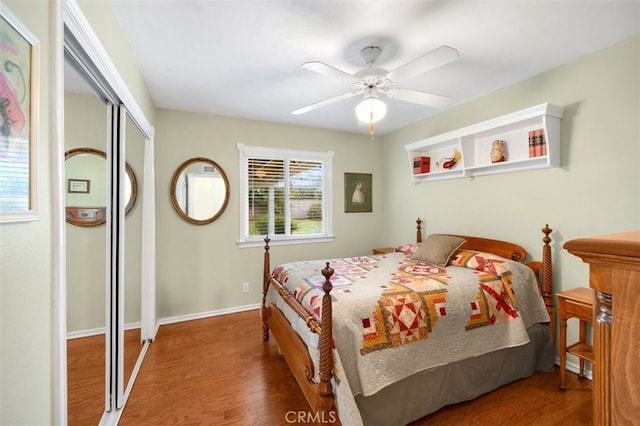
x=422, y=98
x=329, y=71
x=324, y=103
x=434, y=59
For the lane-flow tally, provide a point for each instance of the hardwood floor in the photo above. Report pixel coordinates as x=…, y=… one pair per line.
x=532, y=401
x=85, y=375
x=215, y=371
x=218, y=371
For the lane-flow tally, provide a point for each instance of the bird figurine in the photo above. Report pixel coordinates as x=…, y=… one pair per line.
x=449, y=163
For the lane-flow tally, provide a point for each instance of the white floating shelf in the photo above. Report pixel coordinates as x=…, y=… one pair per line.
x=474, y=143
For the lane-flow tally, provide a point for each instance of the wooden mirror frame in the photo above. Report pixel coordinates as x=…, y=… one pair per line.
x=174, y=198
x=132, y=197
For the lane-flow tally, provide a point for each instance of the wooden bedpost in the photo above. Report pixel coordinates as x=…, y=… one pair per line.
x=266, y=276
x=326, y=404
x=418, y=231
x=547, y=277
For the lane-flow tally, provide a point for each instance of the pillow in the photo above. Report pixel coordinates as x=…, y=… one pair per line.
x=438, y=249
x=408, y=249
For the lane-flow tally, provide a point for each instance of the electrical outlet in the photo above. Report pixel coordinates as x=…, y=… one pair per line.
x=245, y=287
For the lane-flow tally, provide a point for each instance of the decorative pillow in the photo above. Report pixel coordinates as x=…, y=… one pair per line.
x=438, y=249
x=408, y=249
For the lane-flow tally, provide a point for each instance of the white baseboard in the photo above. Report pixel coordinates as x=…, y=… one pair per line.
x=208, y=314
x=575, y=368
x=169, y=320
x=98, y=331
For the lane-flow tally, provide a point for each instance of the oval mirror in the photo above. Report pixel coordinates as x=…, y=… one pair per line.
x=86, y=192
x=199, y=191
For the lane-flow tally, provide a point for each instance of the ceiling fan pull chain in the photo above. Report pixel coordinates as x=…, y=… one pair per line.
x=371, y=125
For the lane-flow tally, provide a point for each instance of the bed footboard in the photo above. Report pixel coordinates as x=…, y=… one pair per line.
x=544, y=274
x=266, y=277
x=319, y=394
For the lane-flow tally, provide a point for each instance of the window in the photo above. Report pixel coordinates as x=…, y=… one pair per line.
x=285, y=194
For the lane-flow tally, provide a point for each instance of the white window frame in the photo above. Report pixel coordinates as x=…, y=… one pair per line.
x=246, y=152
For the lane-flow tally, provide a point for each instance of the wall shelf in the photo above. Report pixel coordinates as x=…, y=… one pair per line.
x=474, y=143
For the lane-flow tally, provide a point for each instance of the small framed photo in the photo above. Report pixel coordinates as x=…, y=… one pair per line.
x=78, y=185
x=358, y=191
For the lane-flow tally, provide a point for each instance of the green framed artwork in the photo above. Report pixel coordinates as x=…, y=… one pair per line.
x=358, y=191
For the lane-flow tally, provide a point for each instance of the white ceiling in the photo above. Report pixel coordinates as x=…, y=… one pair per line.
x=243, y=58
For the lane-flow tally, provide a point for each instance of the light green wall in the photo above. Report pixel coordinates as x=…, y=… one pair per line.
x=134, y=156
x=26, y=271
x=104, y=22
x=595, y=191
x=200, y=268
x=86, y=167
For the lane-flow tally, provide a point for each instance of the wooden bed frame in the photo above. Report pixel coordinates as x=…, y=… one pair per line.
x=320, y=395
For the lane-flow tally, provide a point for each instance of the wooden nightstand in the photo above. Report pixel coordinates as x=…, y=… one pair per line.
x=384, y=250
x=575, y=303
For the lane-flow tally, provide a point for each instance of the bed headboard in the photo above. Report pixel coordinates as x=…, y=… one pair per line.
x=501, y=248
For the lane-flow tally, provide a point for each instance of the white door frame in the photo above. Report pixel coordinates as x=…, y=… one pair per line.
x=68, y=19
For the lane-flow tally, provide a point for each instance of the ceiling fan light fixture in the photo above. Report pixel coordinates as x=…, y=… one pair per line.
x=371, y=110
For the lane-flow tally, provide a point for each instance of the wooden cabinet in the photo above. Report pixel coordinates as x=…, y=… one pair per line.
x=474, y=143
x=614, y=273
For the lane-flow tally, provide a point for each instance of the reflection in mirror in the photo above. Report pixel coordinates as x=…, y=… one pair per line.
x=85, y=122
x=86, y=188
x=199, y=191
x=134, y=156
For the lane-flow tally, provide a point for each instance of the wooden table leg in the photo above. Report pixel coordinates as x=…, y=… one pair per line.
x=563, y=350
x=583, y=336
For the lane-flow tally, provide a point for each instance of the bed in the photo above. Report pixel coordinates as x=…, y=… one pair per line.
x=387, y=339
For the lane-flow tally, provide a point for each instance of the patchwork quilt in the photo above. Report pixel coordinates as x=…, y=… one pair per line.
x=393, y=316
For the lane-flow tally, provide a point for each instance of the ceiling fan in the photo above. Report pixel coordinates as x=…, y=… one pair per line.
x=371, y=82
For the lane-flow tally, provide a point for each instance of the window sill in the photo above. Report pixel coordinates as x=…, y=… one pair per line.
x=275, y=241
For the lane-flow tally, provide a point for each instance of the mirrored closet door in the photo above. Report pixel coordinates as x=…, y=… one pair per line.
x=134, y=158
x=110, y=231
x=86, y=198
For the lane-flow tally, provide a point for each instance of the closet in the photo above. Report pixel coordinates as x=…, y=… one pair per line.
x=110, y=230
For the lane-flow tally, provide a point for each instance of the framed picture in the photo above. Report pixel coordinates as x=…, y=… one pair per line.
x=358, y=192
x=78, y=185
x=18, y=119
